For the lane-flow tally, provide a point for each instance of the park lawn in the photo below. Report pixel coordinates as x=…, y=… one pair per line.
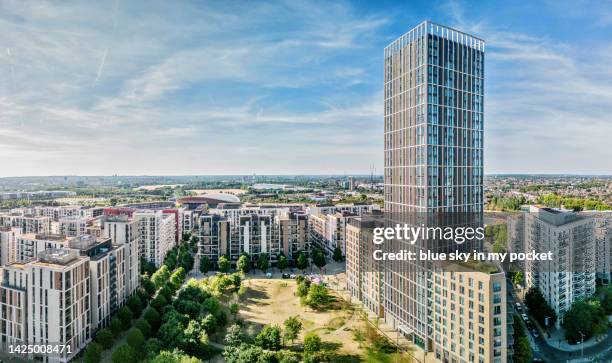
x=272, y=301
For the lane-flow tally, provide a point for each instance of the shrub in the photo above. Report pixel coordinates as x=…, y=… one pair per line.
x=312, y=343
x=105, y=338
x=124, y=354
x=93, y=353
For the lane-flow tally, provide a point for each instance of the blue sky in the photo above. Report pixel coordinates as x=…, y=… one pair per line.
x=284, y=87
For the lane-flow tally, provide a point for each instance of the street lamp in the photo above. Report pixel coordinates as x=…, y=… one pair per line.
x=581, y=344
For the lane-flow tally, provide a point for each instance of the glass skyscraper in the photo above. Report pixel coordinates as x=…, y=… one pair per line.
x=433, y=117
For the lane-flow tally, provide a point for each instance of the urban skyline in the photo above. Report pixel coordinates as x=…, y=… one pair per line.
x=305, y=81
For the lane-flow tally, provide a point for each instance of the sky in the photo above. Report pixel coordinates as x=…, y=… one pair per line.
x=284, y=87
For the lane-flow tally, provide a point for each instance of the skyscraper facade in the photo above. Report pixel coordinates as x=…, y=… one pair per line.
x=433, y=145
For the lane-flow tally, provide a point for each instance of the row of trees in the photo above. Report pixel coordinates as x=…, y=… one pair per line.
x=510, y=203
x=522, y=349
x=576, y=204
x=245, y=262
x=162, y=285
x=267, y=346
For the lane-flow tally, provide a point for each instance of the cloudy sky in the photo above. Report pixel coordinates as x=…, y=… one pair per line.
x=283, y=87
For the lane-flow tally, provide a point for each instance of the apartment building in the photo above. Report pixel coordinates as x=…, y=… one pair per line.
x=470, y=314
x=47, y=302
x=125, y=231
x=433, y=163
x=602, y=222
x=570, y=276
x=157, y=234
x=363, y=273
x=28, y=223
x=294, y=233
x=328, y=231
x=70, y=226
x=8, y=240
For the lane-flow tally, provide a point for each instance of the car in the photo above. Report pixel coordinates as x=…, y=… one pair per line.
x=286, y=276
x=535, y=333
x=518, y=306
x=292, y=276
x=525, y=317
x=537, y=360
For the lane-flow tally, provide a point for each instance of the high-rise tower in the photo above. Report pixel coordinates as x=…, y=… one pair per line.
x=433, y=116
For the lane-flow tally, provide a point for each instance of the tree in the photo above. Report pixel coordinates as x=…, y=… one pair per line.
x=153, y=346
x=195, y=338
x=243, y=264
x=301, y=262
x=337, y=256
x=159, y=302
x=234, y=336
x=517, y=278
x=539, y=308
x=125, y=315
x=152, y=317
x=171, y=333
x=124, y=354
x=136, y=339
x=115, y=326
x=312, y=343
x=224, y=264
x=303, y=287
x=522, y=351
x=263, y=262
x=160, y=276
x=586, y=318
x=204, y=264
x=236, y=280
x=234, y=309
x=293, y=326
x=147, y=285
x=93, y=353
x=606, y=299
x=282, y=262
x=269, y=338
x=144, y=327
x=318, y=258
x=105, y=338
x=178, y=277
x=135, y=305
x=317, y=297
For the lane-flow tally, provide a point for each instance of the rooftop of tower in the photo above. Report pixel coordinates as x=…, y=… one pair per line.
x=429, y=27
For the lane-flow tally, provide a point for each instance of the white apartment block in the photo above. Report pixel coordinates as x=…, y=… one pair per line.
x=27, y=222
x=570, y=276
x=602, y=222
x=125, y=231
x=157, y=231
x=70, y=226
x=328, y=231
x=47, y=302
x=8, y=240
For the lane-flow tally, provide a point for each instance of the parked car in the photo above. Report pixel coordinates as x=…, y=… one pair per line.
x=519, y=307
x=292, y=276
x=286, y=276
x=535, y=333
x=525, y=317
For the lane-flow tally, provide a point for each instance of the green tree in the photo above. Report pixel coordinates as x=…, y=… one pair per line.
x=152, y=317
x=115, y=326
x=236, y=280
x=312, y=343
x=269, y=338
x=224, y=264
x=606, y=299
x=282, y=262
x=318, y=258
x=105, y=338
x=263, y=263
x=244, y=263
x=539, y=308
x=301, y=261
x=293, y=326
x=337, y=256
x=234, y=309
x=159, y=302
x=195, y=339
x=125, y=315
x=147, y=285
x=124, y=354
x=204, y=264
x=586, y=318
x=144, y=327
x=160, y=276
x=135, y=305
x=303, y=287
x=517, y=278
x=317, y=297
x=522, y=351
x=153, y=346
x=136, y=339
x=178, y=277
x=93, y=353
x=234, y=336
